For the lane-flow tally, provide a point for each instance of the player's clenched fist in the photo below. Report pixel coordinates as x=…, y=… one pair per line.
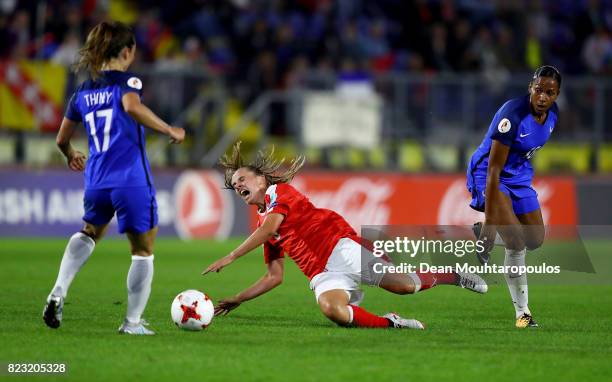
x=76, y=161
x=177, y=134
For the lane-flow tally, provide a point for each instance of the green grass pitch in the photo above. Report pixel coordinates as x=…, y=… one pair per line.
x=282, y=336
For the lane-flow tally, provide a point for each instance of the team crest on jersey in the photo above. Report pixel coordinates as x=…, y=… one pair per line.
x=134, y=82
x=504, y=125
x=271, y=197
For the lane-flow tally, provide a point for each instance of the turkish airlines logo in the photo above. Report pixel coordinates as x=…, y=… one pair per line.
x=203, y=209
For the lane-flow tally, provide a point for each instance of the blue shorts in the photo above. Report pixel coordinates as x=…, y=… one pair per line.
x=136, y=208
x=524, y=197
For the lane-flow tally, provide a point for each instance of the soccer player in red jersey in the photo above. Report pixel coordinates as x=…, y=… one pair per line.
x=323, y=245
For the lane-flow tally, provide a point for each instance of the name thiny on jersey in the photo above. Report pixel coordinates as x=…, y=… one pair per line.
x=117, y=156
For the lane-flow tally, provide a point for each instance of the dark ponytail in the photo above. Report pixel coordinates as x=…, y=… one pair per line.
x=548, y=71
x=105, y=41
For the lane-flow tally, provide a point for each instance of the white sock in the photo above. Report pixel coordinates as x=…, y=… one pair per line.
x=139, y=280
x=350, y=310
x=517, y=283
x=78, y=250
x=416, y=280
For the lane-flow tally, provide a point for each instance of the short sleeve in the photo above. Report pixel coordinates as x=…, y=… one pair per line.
x=505, y=124
x=278, y=199
x=271, y=252
x=130, y=83
x=72, y=111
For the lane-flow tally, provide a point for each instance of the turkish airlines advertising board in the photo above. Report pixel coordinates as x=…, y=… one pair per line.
x=191, y=204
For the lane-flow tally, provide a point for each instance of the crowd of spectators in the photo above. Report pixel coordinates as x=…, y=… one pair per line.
x=268, y=43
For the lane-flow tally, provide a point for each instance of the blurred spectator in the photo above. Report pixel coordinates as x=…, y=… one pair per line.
x=533, y=49
x=263, y=74
x=5, y=37
x=297, y=71
x=439, y=51
x=508, y=54
x=351, y=45
x=66, y=54
x=459, y=42
x=19, y=35
x=597, y=52
x=194, y=53
x=375, y=43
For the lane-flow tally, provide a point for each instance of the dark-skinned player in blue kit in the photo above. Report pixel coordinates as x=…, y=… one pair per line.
x=500, y=175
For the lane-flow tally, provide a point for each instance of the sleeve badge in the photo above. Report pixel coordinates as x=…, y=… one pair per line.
x=504, y=125
x=134, y=82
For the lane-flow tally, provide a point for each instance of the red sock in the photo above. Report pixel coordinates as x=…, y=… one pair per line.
x=365, y=319
x=430, y=280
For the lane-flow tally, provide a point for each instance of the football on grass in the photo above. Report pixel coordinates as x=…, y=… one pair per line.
x=192, y=310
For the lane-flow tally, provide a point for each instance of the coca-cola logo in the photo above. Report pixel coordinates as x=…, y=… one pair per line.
x=203, y=209
x=454, y=208
x=360, y=200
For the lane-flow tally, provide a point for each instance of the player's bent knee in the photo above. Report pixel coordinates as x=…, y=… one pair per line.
x=405, y=288
x=327, y=307
x=514, y=242
x=400, y=289
x=533, y=244
x=94, y=232
x=335, y=312
x=397, y=283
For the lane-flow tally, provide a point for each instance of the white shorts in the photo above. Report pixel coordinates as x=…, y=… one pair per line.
x=344, y=271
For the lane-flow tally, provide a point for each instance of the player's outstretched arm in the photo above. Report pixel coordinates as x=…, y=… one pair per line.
x=272, y=279
x=143, y=115
x=265, y=232
x=75, y=159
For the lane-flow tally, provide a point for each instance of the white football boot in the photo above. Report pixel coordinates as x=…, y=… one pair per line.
x=138, y=329
x=52, y=313
x=471, y=281
x=404, y=323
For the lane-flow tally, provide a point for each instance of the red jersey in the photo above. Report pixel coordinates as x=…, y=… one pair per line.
x=307, y=234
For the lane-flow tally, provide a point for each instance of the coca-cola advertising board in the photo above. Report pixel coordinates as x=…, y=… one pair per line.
x=394, y=199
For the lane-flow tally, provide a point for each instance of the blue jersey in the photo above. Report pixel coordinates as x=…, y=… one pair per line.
x=117, y=156
x=514, y=126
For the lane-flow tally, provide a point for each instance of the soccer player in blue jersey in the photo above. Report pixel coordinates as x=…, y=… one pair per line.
x=117, y=174
x=499, y=177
